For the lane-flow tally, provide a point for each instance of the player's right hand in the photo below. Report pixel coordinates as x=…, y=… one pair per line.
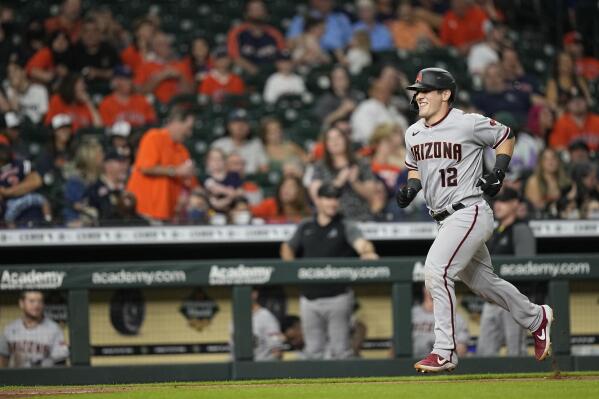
x=405, y=195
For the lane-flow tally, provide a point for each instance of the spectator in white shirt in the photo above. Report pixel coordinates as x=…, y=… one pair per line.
x=374, y=111
x=25, y=98
x=486, y=53
x=239, y=141
x=284, y=81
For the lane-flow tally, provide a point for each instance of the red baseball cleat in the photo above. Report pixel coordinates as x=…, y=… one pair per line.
x=434, y=363
x=542, y=336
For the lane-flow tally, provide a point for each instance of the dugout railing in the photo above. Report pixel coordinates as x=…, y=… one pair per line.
x=78, y=279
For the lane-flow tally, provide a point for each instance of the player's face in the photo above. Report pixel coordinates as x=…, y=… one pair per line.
x=432, y=104
x=32, y=305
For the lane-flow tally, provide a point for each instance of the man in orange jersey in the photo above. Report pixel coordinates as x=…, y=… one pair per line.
x=576, y=124
x=463, y=25
x=165, y=75
x=162, y=167
x=123, y=104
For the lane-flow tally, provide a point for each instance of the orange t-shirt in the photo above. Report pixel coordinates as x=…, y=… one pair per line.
x=168, y=88
x=131, y=57
x=78, y=112
x=212, y=86
x=136, y=110
x=42, y=59
x=588, y=68
x=407, y=36
x=566, y=130
x=456, y=31
x=157, y=195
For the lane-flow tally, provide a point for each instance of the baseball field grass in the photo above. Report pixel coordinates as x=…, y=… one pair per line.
x=577, y=385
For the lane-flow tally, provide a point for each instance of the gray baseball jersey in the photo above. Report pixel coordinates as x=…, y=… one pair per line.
x=449, y=155
x=41, y=346
x=267, y=334
x=423, y=331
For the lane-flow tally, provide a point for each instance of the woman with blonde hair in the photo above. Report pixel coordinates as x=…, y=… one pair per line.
x=84, y=170
x=548, y=184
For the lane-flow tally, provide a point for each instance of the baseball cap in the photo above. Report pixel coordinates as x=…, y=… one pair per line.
x=120, y=128
x=329, y=191
x=238, y=114
x=220, y=52
x=61, y=120
x=578, y=145
x=123, y=71
x=507, y=194
x=572, y=37
x=113, y=155
x=12, y=120
x=283, y=55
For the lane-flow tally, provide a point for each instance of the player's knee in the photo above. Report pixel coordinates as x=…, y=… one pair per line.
x=433, y=278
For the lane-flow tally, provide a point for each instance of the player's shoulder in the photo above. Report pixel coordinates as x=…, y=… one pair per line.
x=473, y=117
x=414, y=127
x=49, y=324
x=14, y=325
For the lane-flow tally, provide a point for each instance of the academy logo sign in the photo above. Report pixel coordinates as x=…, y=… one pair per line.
x=239, y=275
x=550, y=269
x=32, y=279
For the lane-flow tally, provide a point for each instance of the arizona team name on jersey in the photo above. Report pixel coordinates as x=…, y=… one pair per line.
x=437, y=149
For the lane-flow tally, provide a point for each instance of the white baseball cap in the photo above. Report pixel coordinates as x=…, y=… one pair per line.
x=61, y=120
x=12, y=120
x=120, y=128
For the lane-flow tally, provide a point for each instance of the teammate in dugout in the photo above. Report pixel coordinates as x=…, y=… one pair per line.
x=444, y=151
x=33, y=340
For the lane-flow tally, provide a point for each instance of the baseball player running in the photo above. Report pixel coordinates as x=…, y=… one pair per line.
x=444, y=157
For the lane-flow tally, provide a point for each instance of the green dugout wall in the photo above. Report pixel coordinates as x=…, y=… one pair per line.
x=400, y=273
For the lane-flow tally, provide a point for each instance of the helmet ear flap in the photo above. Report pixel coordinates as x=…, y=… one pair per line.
x=413, y=103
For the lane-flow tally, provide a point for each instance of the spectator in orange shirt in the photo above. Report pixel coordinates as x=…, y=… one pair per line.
x=74, y=100
x=136, y=53
x=463, y=25
x=409, y=32
x=123, y=104
x=51, y=62
x=220, y=81
x=587, y=67
x=290, y=205
x=576, y=124
x=163, y=168
x=165, y=76
x=254, y=43
x=68, y=20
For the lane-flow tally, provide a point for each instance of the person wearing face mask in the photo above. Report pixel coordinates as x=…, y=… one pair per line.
x=163, y=168
x=254, y=43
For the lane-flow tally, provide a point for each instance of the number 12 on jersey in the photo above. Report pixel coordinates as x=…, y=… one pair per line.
x=449, y=177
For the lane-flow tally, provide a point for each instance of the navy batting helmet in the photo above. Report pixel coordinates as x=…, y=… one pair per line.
x=430, y=79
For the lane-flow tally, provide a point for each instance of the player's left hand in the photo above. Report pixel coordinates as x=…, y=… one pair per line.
x=491, y=182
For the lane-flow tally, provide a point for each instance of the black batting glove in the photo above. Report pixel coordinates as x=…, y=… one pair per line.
x=491, y=182
x=407, y=193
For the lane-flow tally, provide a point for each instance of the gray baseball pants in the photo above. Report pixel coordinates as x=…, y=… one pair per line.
x=459, y=251
x=326, y=326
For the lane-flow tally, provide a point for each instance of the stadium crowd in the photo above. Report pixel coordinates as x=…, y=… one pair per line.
x=110, y=121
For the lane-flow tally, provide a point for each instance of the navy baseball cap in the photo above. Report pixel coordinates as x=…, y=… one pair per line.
x=113, y=155
x=238, y=114
x=507, y=194
x=329, y=191
x=123, y=71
